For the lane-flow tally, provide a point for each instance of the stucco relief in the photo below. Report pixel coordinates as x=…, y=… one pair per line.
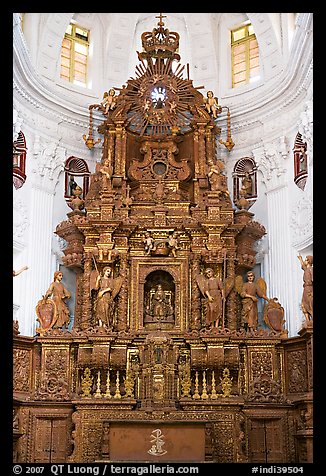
x=20, y=219
x=269, y=161
x=16, y=124
x=49, y=159
x=301, y=223
x=306, y=125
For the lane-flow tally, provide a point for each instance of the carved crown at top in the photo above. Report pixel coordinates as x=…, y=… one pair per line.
x=160, y=42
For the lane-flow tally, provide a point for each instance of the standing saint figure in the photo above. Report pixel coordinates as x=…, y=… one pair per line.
x=249, y=293
x=307, y=295
x=108, y=288
x=212, y=289
x=59, y=294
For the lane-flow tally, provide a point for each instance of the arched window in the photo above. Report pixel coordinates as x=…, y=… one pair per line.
x=76, y=173
x=300, y=161
x=245, y=179
x=19, y=160
x=245, y=56
x=74, y=55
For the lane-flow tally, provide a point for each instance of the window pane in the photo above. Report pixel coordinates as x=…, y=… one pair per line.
x=250, y=30
x=238, y=68
x=80, y=77
x=235, y=85
x=65, y=62
x=253, y=43
x=239, y=34
x=81, y=58
x=240, y=77
x=69, y=30
x=65, y=53
x=239, y=49
x=254, y=63
x=82, y=33
x=65, y=71
x=239, y=58
x=79, y=48
x=66, y=43
x=81, y=68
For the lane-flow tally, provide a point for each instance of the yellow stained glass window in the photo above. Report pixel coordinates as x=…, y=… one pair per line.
x=74, y=55
x=245, y=56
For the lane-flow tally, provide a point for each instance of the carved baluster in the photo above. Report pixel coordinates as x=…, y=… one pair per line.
x=204, y=394
x=107, y=390
x=98, y=394
x=213, y=394
x=196, y=395
x=117, y=384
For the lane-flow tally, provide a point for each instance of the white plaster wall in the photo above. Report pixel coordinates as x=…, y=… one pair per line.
x=266, y=117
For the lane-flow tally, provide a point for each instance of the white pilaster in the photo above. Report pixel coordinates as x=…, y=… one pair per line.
x=49, y=162
x=282, y=260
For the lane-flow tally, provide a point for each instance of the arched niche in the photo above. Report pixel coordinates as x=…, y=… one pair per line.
x=76, y=173
x=159, y=300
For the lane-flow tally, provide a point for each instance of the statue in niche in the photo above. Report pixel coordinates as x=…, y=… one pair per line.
x=107, y=289
x=246, y=186
x=77, y=203
x=109, y=100
x=249, y=292
x=160, y=307
x=212, y=290
x=303, y=159
x=72, y=185
x=52, y=310
x=212, y=105
x=307, y=295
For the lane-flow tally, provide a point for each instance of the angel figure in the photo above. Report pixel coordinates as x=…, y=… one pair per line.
x=108, y=101
x=249, y=293
x=307, y=295
x=173, y=243
x=212, y=105
x=108, y=288
x=149, y=243
x=212, y=290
